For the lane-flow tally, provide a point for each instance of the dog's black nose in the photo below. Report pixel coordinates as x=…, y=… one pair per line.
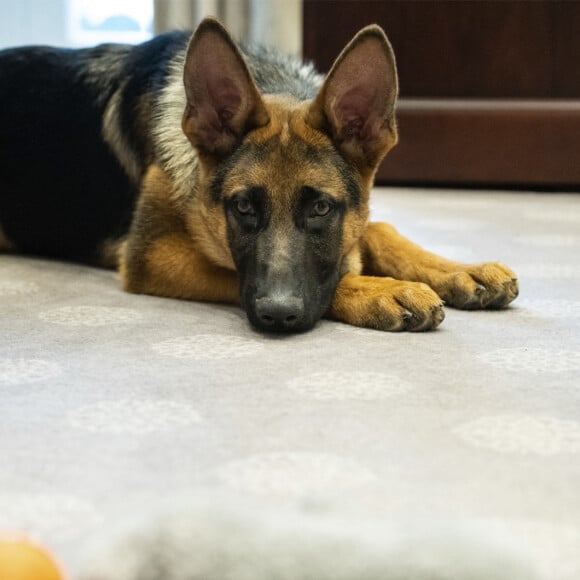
x=279, y=313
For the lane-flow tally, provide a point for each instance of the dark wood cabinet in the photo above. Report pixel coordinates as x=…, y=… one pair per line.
x=490, y=90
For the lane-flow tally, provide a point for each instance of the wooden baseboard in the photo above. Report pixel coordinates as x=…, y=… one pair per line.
x=483, y=142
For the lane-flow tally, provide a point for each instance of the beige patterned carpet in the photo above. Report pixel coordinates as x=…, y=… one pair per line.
x=108, y=398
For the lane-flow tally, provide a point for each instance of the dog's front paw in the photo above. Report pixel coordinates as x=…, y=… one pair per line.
x=489, y=285
x=386, y=304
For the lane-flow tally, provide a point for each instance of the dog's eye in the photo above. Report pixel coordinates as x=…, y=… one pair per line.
x=321, y=208
x=244, y=206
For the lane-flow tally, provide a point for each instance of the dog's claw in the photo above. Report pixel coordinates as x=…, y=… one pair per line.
x=438, y=315
x=430, y=320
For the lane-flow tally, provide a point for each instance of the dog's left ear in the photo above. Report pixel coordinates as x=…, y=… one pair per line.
x=223, y=102
x=356, y=104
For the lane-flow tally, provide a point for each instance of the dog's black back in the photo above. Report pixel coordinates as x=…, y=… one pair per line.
x=50, y=150
x=62, y=188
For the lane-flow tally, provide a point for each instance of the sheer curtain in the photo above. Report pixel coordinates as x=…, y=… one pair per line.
x=33, y=22
x=274, y=22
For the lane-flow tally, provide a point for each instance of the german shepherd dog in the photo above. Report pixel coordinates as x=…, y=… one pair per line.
x=208, y=171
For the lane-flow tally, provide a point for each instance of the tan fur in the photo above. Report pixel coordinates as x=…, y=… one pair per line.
x=195, y=278
x=290, y=118
x=286, y=170
x=386, y=304
x=415, y=304
x=160, y=256
x=288, y=167
x=387, y=253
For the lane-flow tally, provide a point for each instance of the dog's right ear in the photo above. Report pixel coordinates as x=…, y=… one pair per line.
x=356, y=103
x=223, y=102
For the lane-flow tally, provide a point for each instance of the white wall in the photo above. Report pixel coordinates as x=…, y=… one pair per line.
x=274, y=22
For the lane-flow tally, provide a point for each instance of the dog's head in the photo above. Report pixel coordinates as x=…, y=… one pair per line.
x=286, y=182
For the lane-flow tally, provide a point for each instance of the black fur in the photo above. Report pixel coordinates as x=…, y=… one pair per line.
x=61, y=189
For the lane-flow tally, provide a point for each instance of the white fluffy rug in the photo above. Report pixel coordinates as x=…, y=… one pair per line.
x=215, y=538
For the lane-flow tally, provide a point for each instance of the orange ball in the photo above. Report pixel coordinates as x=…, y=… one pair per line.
x=21, y=559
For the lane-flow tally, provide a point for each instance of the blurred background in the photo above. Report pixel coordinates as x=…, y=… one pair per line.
x=87, y=22
x=490, y=90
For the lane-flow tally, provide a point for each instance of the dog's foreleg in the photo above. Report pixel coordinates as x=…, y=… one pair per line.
x=173, y=267
x=386, y=253
x=160, y=256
